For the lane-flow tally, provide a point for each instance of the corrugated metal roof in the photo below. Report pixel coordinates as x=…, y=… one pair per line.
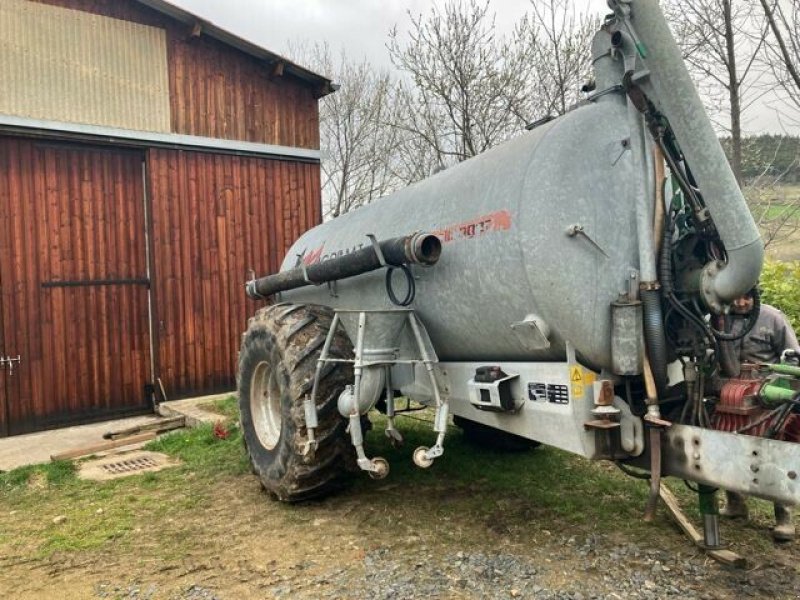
x=323, y=85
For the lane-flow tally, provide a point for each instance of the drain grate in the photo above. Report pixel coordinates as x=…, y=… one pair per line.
x=123, y=465
x=129, y=465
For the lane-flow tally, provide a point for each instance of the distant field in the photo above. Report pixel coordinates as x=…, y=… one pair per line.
x=776, y=209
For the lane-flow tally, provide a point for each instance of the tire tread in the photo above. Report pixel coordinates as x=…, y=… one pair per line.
x=295, y=335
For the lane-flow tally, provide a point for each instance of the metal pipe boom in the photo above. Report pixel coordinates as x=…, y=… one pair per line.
x=418, y=248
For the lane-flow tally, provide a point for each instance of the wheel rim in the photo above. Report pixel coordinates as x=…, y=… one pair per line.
x=265, y=405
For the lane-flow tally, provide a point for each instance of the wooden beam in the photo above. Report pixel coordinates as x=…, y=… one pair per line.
x=197, y=29
x=157, y=426
x=277, y=69
x=103, y=446
x=674, y=510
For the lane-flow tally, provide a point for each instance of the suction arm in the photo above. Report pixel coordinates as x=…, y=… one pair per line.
x=668, y=85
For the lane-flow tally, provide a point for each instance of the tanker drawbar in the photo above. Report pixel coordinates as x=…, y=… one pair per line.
x=572, y=288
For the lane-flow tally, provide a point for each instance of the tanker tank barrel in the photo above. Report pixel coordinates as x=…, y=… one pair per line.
x=583, y=303
x=418, y=248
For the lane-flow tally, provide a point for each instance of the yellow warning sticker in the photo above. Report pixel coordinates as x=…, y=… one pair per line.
x=576, y=381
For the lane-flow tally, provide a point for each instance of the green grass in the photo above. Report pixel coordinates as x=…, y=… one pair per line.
x=227, y=407
x=510, y=494
x=54, y=473
x=102, y=513
x=553, y=481
x=779, y=211
x=548, y=485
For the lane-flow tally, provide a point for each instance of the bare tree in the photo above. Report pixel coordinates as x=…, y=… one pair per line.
x=463, y=85
x=721, y=40
x=557, y=40
x=357, y=138
x=783, y=46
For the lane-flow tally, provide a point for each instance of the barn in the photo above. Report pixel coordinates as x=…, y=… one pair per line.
x=149, y=163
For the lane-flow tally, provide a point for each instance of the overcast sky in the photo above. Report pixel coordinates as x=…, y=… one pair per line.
x=361, y=27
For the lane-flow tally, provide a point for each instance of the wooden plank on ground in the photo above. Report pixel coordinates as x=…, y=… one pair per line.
x=103, y=446
x=724, y=556
x=158, y=426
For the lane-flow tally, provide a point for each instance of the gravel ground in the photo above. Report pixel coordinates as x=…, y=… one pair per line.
x=568, y=569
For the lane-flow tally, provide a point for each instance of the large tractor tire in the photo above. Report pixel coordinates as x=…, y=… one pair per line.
x=484, y=436
x=277, y=362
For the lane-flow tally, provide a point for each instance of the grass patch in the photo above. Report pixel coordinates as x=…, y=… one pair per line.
x=54, y=473
x=468, y=494
x=203, y=452
x=551, y=482
x=790, y=212
x=227, y=407
x=45, y=509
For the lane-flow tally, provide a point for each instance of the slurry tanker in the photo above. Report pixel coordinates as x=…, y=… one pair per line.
x=569, y=287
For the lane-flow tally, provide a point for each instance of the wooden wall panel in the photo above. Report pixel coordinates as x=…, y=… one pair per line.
x=215, y=218
x=71, y=230
x=219, y=92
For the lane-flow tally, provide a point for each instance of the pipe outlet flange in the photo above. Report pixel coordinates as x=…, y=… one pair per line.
x=722, y=282
x=707, y=288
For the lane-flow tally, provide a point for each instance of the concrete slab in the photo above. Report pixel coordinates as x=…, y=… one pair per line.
x=193, y=409
x=34, y=448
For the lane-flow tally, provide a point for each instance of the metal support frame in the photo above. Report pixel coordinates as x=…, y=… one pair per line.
x=377, y=467
x=310, y=402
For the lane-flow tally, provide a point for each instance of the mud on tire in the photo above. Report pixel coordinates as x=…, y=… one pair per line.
x=277, y=362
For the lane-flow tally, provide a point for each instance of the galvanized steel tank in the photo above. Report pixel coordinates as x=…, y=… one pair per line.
x=542, y=225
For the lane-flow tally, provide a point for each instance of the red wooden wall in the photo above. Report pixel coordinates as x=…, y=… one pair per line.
x=215, y=218
x=77, y=213
x=73, y=292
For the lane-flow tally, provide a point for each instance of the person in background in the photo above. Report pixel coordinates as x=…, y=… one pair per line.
x=766, y=342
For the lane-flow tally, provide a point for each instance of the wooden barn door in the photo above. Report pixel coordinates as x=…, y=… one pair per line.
x=74, y=281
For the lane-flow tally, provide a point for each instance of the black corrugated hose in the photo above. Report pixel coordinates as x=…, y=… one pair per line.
x=654, y=337
x=418, y=248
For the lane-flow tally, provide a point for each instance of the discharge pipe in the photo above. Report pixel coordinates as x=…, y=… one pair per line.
x=672, y=91
x=418, y=248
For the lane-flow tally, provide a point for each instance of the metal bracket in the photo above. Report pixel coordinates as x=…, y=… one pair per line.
x=633, y=285
x=622, y=9
x=333, y=288
x=310, y=413
x=9, y=362
x=577, y=229
x=304, y=268
x=614, y=89
x=250, y=287
x=377, y=247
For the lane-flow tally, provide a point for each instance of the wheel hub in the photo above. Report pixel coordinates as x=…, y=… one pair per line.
x=265, y=405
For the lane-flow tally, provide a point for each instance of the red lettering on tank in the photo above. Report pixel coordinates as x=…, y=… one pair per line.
x=496, y=221
x=313, y=257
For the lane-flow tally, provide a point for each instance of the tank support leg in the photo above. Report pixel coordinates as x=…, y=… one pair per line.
x=709, y=508
x=377, y=467
x=395, y=437
x=310, y=402
x=423, y=457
